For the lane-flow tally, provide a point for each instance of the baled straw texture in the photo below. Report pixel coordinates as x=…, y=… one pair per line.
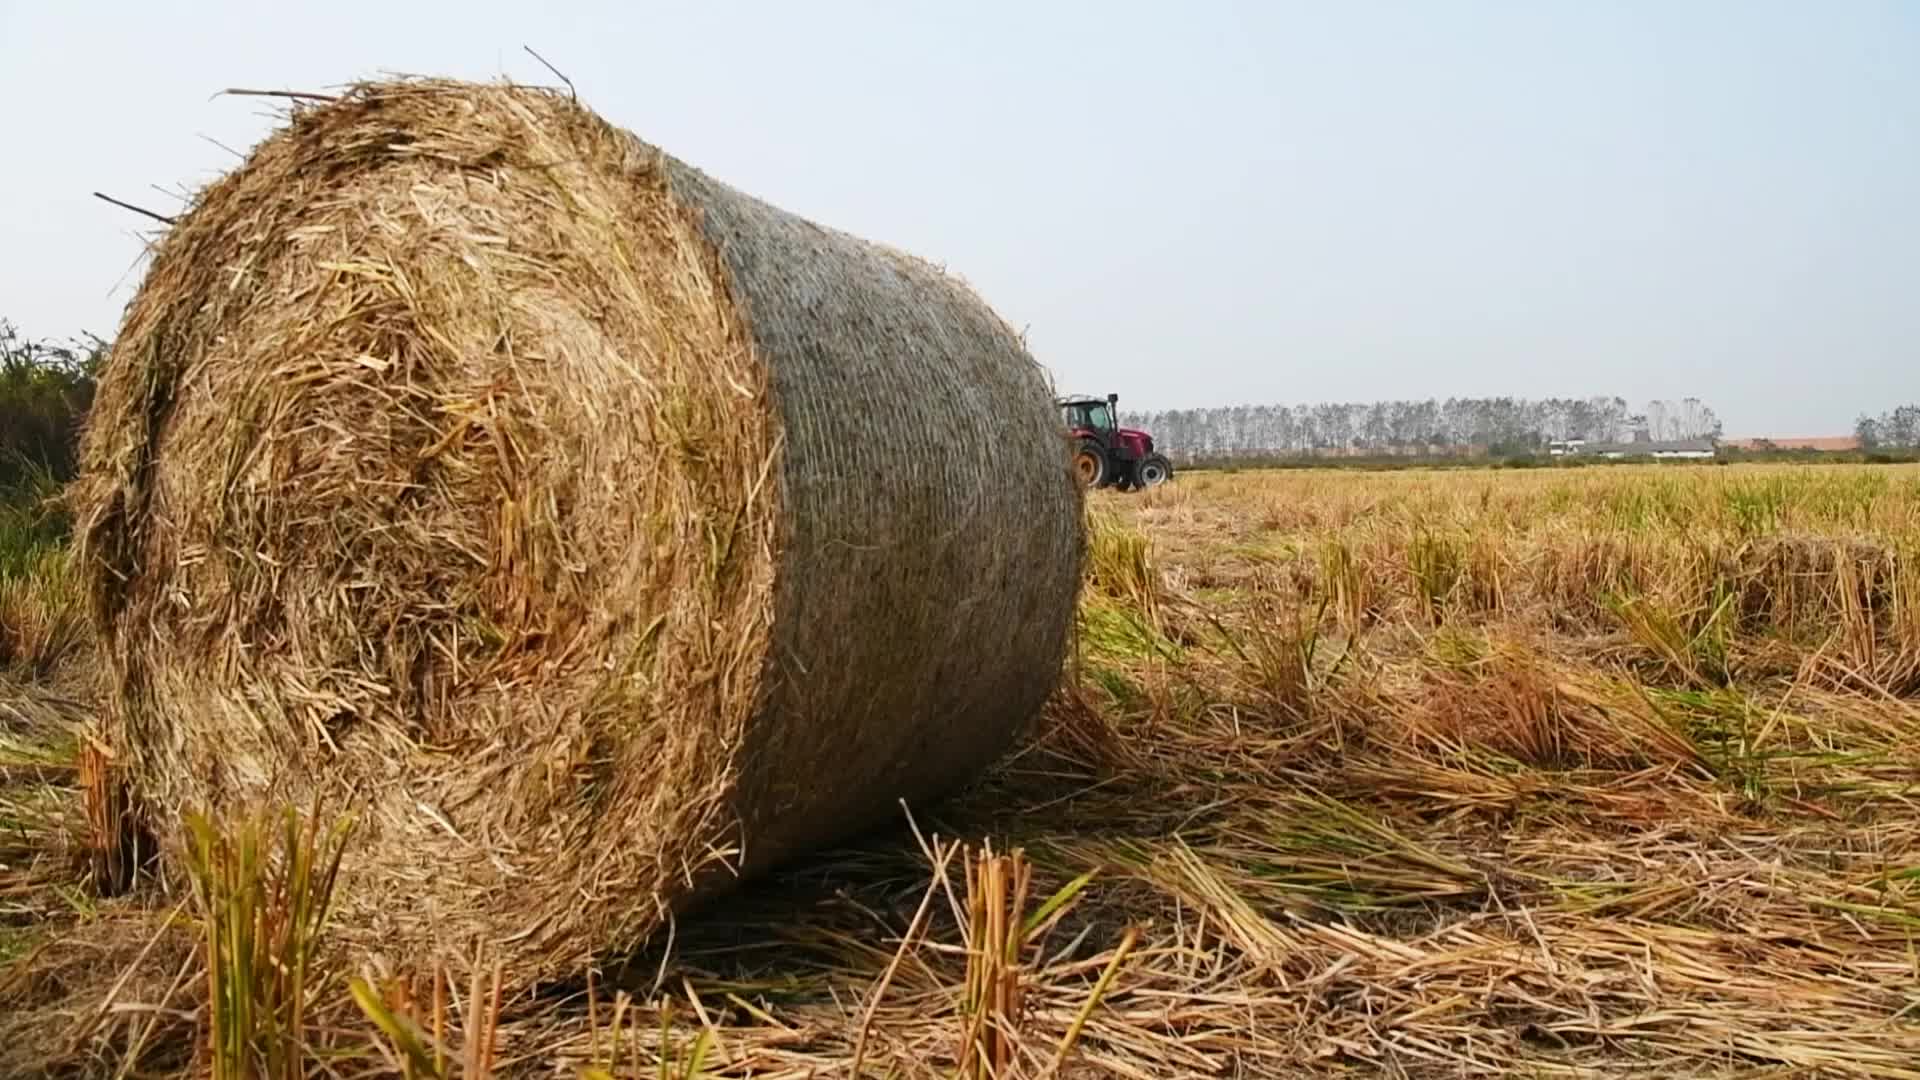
x=596, y=531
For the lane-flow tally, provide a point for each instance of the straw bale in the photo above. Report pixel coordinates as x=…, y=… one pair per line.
x=597, y=532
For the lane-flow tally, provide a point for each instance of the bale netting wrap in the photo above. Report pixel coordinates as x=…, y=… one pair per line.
x=596, y=533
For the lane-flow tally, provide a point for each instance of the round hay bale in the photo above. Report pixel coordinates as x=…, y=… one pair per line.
x=599, y=533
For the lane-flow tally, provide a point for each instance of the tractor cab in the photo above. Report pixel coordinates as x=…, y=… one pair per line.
x=1106, y=454
x=1090, y=414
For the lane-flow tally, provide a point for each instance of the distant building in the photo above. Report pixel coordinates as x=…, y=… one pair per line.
x=1826, y=443
x=1678, y=448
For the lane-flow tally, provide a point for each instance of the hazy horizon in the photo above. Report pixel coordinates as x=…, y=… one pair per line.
x=1231, y=203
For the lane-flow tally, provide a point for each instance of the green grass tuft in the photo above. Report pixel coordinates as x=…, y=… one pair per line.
x=263, y=896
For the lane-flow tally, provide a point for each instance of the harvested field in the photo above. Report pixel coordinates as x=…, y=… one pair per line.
x=1590, y=772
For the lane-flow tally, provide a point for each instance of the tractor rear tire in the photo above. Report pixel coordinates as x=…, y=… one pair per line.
x=1152, y=471
x=1090, y=463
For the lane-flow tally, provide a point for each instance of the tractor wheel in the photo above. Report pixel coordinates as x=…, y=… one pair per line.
x=1090, y=463
x=1153, y=470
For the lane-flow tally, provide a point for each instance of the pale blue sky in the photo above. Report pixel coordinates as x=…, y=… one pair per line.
x=1194, y=204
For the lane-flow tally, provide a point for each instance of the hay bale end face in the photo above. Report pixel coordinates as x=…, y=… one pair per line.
x=595, y=532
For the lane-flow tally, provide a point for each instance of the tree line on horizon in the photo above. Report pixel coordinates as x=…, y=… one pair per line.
x=46, y=389
x=45, y=392
x=1896, y=429
x=1498, y=426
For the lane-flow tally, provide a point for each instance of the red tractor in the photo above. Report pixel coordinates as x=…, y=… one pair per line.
x=1106, y=454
